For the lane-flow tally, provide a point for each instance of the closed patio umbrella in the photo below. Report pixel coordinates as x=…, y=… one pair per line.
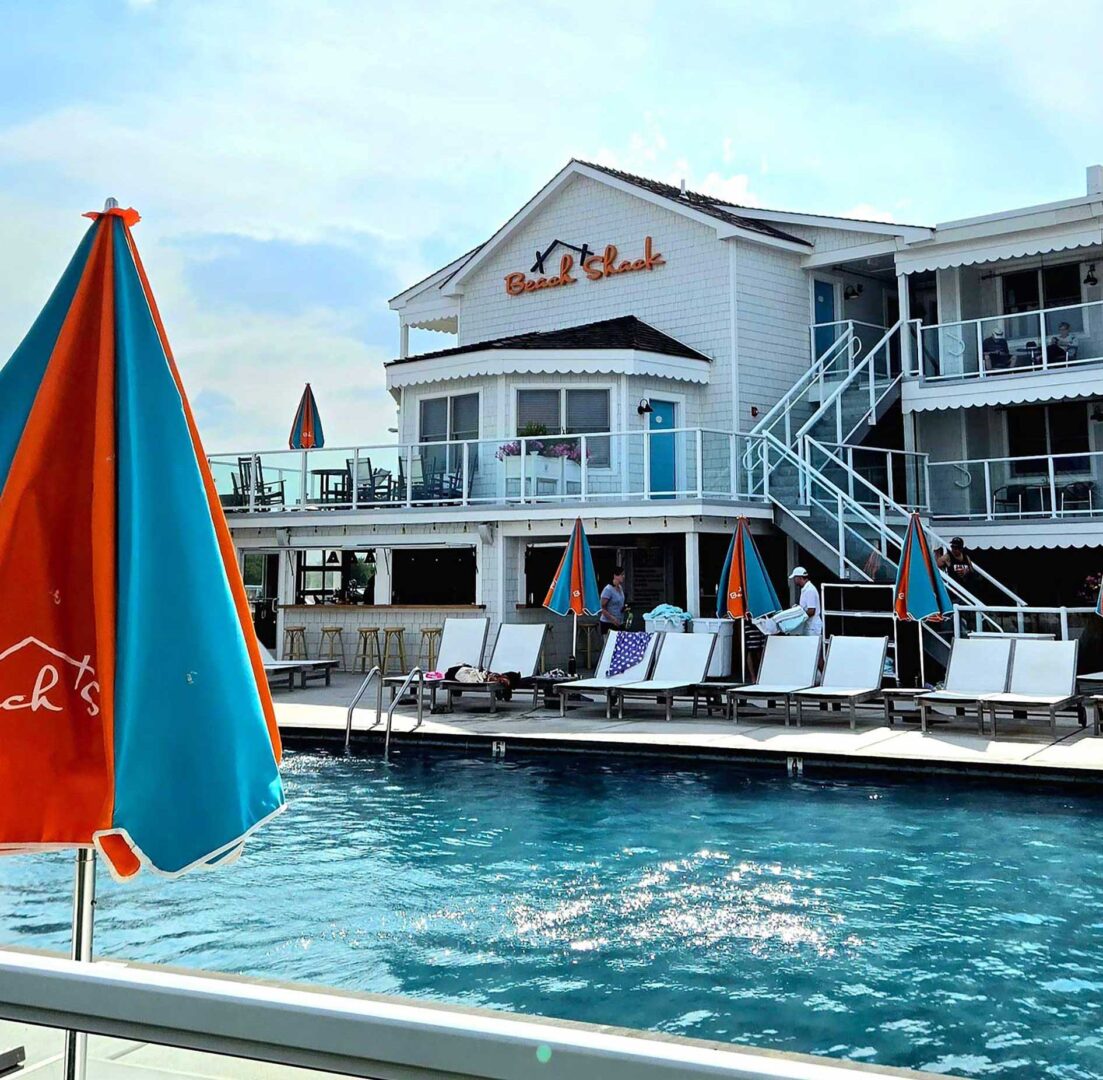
x=573, y=589
x=745, y=590
x=306, y=431
x=921, y=594
x=134, y=715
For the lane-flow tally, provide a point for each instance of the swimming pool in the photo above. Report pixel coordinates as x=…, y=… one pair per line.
x=949, y=927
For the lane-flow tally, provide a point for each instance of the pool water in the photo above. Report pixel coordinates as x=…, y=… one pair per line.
x=943, y=926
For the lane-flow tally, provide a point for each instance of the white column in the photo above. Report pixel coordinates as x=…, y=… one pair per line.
x=285, y=593
x=905, y=318
x=382, y=576
x=693, y=575
x=404, y=341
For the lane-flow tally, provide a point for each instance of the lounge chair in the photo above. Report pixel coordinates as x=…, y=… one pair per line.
x=1043, y=679
x=682, y=663
x=789, y=664
x=602, y=680
x=851, y=674
x=462, y=641
x=517, y=648
x=305, y=669
x=978, y=666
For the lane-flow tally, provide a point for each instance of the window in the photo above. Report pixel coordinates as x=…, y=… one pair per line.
x=1046, y=287
x=448, y=419
x=1035, y=431
x=328, y=576
x=567, y=412
x=433, y=576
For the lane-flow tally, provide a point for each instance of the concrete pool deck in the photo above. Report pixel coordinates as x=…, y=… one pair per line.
x=1023, y=749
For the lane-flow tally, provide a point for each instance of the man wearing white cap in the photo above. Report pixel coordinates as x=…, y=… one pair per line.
x=809, y=600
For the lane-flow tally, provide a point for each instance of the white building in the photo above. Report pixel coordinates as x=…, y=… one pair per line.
x=660, y=362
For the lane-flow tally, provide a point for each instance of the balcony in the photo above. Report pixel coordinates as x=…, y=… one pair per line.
x=999, y=346
x=697, y=464
x=1057, y=486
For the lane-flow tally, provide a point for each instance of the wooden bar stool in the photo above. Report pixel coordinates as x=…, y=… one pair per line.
x=294, y=642
x=368, y=649
x=430, y=643
x=332, y=645
x=394, y=634
x=548, y=646
x=589, y=631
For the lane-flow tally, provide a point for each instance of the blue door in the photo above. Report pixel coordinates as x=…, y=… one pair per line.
x=823, y=311
x=661, y=422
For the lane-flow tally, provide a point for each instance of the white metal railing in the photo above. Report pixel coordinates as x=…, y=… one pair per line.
x=998, y=345
x=1062, y=622
x=823, y=336
x=1048, y=486
x=368, y=1036
x=900, y=474
x=679, y=463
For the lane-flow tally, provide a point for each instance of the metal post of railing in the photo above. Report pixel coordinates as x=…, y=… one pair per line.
x=883, y=514
x=409, y=474
x=420, y=677
x=957, y=622
x=850, y=471
x=584, y=452
x=354, y=480
x=1064, y=616
x=842, y=534
x=1052, y=488
x=733, y=464
x=927, y=481
x=523, y=443
x=987, y=491
x=647, y=464
x=375, y=673
x=980, y=351
x=700, y=461
x=254, y=465
x=888, y=473
x=1042, y=339
x=466, y=473
x=1020, y=621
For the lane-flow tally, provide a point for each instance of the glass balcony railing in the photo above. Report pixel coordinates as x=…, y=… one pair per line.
x=1000, y=345
x=683, y=463
x=1054, y=486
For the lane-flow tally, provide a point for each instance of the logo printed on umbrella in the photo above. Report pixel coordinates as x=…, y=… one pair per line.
x=48, y=678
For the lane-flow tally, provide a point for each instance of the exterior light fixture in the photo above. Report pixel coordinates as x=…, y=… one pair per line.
x=1089, y=277
x=333, y=559
x=852, y=292
x=644, y=407
x=1097, y=414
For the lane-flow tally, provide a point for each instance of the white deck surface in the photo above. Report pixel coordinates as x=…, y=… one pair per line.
x=953, y=743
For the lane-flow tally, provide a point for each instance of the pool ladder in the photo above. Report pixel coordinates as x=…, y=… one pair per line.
x=377, y=674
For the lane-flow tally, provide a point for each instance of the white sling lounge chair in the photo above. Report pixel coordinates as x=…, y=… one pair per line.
x=602, y=680
x=516, y=648
x=462, y=641
x=788, y=664
x=852, y=674
x=277, y=669
x=1043, y=679
x=978, y=666
x=683, y=662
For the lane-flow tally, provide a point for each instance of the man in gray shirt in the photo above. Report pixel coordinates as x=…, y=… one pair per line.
x=612, y=603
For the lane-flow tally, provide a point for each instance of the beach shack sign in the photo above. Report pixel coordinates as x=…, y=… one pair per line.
x=581, y=260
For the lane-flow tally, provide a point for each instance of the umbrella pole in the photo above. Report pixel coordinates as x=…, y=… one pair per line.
x=572, y=667
x=84, y=907
x=922, y=659
x=743, y=650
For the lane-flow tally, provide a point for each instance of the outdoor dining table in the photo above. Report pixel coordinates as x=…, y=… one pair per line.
x=332, y=485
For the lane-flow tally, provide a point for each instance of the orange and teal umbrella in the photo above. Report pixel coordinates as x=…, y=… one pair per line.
x=135, y=717
x=745, y=589
x=306, y=431
x=573, y=590
x=921, y=594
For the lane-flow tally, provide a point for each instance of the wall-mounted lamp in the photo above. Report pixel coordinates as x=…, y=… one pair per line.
x=644, y=407
x=1097, y=414
x=333, y=559
x=852, y=292
x=1089, y=277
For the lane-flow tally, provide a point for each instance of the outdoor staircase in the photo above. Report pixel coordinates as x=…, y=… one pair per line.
x=799, y=462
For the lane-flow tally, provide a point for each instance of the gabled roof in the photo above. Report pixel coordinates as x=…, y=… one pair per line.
x=627, y=332
x=706, y=204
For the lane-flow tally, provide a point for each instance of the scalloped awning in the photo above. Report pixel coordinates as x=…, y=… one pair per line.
x=942, y=256
x=1072, y=382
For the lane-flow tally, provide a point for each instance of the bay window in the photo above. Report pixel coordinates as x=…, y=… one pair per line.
x=567, y=412
x=451, y=418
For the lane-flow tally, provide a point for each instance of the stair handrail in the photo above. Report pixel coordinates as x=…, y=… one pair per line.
x=895, y=507
x=418, y=674
x=814, y=373
x=375, y=673
x=863, y=367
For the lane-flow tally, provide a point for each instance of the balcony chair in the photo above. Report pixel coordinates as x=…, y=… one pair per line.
x=1078, y=495
x=265, y=494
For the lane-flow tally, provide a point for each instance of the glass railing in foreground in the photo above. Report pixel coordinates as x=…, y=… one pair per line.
x=177, y=1024
x=999, y=345
x=682, y=463
x=1053, y=486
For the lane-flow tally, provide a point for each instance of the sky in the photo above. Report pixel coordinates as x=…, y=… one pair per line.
x=297, y=164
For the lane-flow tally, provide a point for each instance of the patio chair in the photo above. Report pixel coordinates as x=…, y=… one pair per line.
x=852, y=674
x=251, y=471
x=462, y=641
x=1043, y=679
x=978, y=666
x=305, y=669
x=602, y=680
x=517, y=649
x=682, y=663
x=788, y=664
